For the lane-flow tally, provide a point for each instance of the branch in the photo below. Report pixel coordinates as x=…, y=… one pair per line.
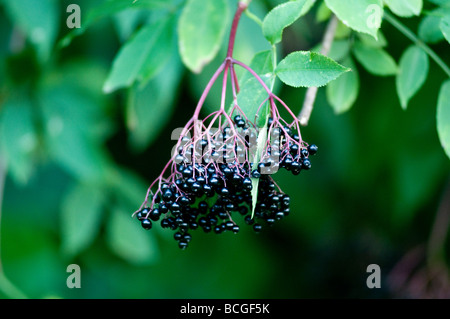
x=242, y=6
x=253, y=17
x=409, y=34
x=237, y=16
x=311, y=93
x=440, y=228
x=17, y=41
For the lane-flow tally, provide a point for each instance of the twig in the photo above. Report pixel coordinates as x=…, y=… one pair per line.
x=410, y=35
x=311, y=93
x=242, y=5
x=17, y=40
x=440, y=229
x=402, y=271
x=253, y=17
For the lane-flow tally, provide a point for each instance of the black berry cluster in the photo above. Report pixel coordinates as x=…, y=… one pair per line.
x=287, y=151
x=223, y=166
x=212, y=179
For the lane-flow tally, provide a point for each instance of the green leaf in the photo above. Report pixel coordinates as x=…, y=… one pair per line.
x=338, y=51
x=281, y=17
x=360, y=15
x=38, y=20
x=201, y=28
x=160, y=55
x=149, y=108
x=430, y=26
x=262, y=63
x=85, y=78
x=323, y=13
x=18, y=139
x=342, y=31
x=443, y=117
x=342, y=93
x=80, y=217
x=429, y=29
x=254, y=193
x=127, y=21
x=110, y=8
x=127, y=239
x=251, y=93
x=380, y=42
x=126, y=185
x=445, y=27
x=306, y=69
x=408, y=193
x=250, y=97
x=413, y=71
x=143, y=56
x=250, y=40
x=71, y=120
x=405, y=8
x=307, y=7
x=441, y=2
x=375, y=60
x=260, y=147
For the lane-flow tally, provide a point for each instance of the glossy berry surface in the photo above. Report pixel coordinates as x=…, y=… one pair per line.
x=146, y=224
x=205, y=194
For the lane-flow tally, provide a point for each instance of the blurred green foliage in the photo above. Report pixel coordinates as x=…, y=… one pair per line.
x=78, y=160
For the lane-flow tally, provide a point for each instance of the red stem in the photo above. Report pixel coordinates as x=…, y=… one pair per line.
x=257, y=77
x=207, y=89
x=237, y=16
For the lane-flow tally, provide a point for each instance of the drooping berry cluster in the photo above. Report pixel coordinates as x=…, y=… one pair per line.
x=212, y=176
x=222, y=166
x=286, y=150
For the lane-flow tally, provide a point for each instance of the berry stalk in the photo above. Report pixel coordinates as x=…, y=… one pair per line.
x=215, y=161
x=237, y=16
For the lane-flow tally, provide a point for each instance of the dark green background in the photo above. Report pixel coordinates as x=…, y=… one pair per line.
x=372, y=195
